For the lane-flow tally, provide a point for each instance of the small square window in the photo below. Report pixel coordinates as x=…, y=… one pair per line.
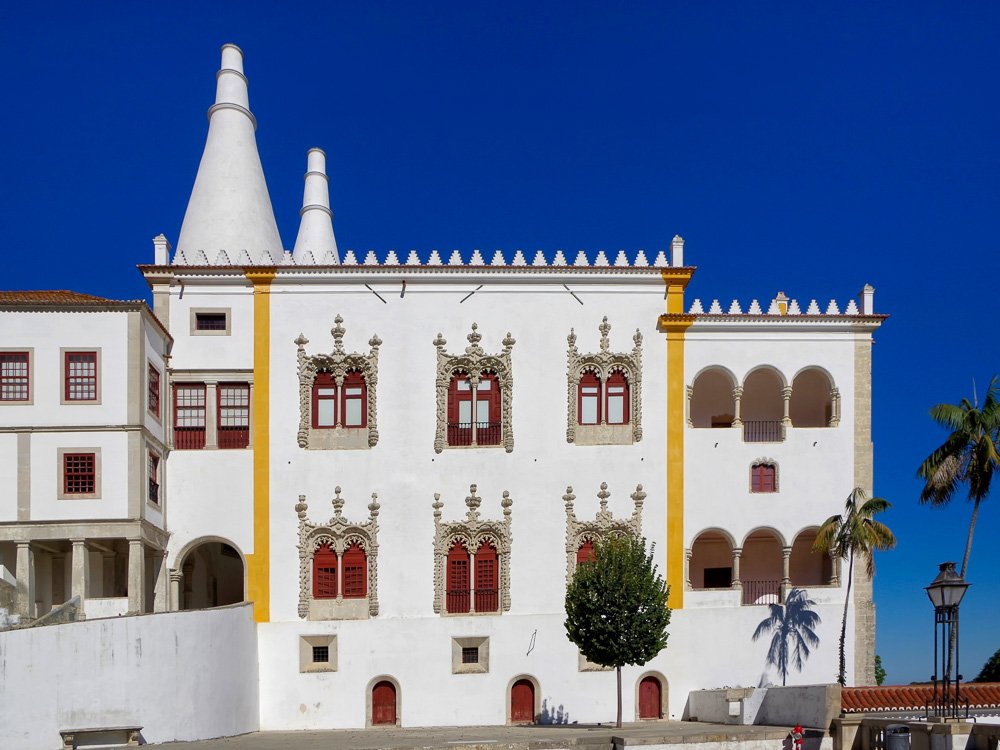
x=470, y=655
x=210, y=321
x=317, y=653
x=321, y=654
x=79, y=473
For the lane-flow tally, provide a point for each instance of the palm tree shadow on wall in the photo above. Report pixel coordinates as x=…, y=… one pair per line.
x=793, y=625
x=552, y=715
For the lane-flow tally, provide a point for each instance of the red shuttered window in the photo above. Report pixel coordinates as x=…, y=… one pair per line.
x=79, y=473
x=153, y=391
x=763, y=478
x=324, y=401
x=355, y=566
x=474, y=421
x=325, y=573
x=234, y=415
x=616, y=399
x=80, y=376
x=586, y=553
x=487, y=593
x=189, y=416
x=14, y=376
x=457, y=595
x=354, y=401
x=588, y=407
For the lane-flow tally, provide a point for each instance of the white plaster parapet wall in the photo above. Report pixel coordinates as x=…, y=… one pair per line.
x=181, y=676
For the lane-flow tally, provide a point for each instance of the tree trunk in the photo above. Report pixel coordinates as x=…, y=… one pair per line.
x=618, y=723
x=842, y=675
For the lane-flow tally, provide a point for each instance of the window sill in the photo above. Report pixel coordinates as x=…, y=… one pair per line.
x=338, y=609
x=603, y=434
x=337, y=438
x=471, y=614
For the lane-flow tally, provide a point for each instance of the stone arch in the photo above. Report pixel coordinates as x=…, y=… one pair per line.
x=213, y=573
x=369, y=692
x=711, y=402
x=711, y=562
x=806, y=567
x=762, y=566
x=537, y=695
x=762, y=399
x=813, y=399
x=664, y=693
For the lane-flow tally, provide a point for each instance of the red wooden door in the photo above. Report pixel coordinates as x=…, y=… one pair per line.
x=522, y=702
x=384, y=703
x=649, y=698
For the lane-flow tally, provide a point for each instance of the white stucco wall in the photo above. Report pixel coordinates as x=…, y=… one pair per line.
x=181, y=676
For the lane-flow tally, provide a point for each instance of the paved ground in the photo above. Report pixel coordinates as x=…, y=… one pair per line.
x=489, y=738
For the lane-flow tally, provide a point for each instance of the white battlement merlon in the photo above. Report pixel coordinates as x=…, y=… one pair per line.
x=867, y=299
x=677, y=251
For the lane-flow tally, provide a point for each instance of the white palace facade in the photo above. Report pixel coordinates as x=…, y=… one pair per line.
x=394, y=463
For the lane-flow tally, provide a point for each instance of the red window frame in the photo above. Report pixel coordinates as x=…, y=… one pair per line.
x=325, y=570
x=588, y=380
x=617, y=379
x=586, y=553
x=15, y=376
x=190, y=409
x=79, y=473
x=233, y=410
x=457, y=593
x=154, y=478
x=487, y=575
x=80, y=376
x=153, y=390
x=763, y=478
x=459, y=433
x=354, y=564
x=354, y=380
x=324, y=381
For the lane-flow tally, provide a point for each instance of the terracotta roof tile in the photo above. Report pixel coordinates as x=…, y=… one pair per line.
x=910, y=697
x=52, y=297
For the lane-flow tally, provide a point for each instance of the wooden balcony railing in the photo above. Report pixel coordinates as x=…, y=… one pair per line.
x=763, y=431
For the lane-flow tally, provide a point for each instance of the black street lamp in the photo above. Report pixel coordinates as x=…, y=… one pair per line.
x=946, y=592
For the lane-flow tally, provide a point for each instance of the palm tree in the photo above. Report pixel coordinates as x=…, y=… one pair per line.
x=854, y=533
x=793, y=621
x=969, y=456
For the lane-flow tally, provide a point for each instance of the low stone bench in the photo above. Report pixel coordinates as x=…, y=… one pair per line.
x=127, y=736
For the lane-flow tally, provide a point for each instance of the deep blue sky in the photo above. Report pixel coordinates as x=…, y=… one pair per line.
x=807, y=147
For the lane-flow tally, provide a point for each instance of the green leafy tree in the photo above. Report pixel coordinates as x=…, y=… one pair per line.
x=969, y=456
x=793, y=625
x=879, y=670
x=991, y=669
x=854, y=533
x=616, y=607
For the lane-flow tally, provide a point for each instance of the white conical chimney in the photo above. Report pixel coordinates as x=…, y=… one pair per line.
x=316, y=225
x=230, y=208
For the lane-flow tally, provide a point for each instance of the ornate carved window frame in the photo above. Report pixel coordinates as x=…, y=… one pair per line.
x=474, y=361
x=339, y=534
x=603, y=364
x=338, y=363
x=472, y=532
x=777, y=476
x=603, y=526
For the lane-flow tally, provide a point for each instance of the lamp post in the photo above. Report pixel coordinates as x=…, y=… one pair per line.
x=946, y=592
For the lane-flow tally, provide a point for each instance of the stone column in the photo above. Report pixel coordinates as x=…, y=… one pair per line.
x=786, y=396
x=136, y=576
x=161, y=595
x=472, y=578
x=474, y=387
x=340, y=576
x=786, y=578
x=690, y=394
x=737, y=552
x=211, y=414
x=25, y=573
x=834, y=407
x=176, y=577
x=834, y=570
x=687, y=569
x=81, y=574
x=737, y=398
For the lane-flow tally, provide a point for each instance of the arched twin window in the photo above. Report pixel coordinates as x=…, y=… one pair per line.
x=349, y=574
x=474, y=416
x=485, y=593
x=607, y=405
x=763, y=477
x=343, y=406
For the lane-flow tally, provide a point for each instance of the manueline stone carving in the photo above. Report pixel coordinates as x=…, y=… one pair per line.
x=474, y=362
x=472, y=532
x=339, y=534
x=603, y=526
x=603, y=363
x=338, y=363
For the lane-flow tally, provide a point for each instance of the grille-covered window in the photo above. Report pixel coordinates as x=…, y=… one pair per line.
x=321, y=654
x=470, y=655
x=81, y=376
x=79, y=473
x=205, y=321
x=153, y=391
x=14, y=376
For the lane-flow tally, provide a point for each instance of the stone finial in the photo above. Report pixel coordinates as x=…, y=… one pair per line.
x=473, y=501
x=439, y=341
x=603, y=496
x=161, y=250
x=677, y=251
x=568, y=499
x=474, y=337
x=338, y=332
x=867, y=299
x=301, y=508
x=301, y=341
x=338, y=503
x=637, y=338
x=638, y=498
x=437, y=505
x=571, y=339
x=374, y=342
x=605, y=329
x=508, y=342
x=505, y=504
x=373, y=506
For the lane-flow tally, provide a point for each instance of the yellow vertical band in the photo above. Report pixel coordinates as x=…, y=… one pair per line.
x=259, y=562
x=674, y=324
